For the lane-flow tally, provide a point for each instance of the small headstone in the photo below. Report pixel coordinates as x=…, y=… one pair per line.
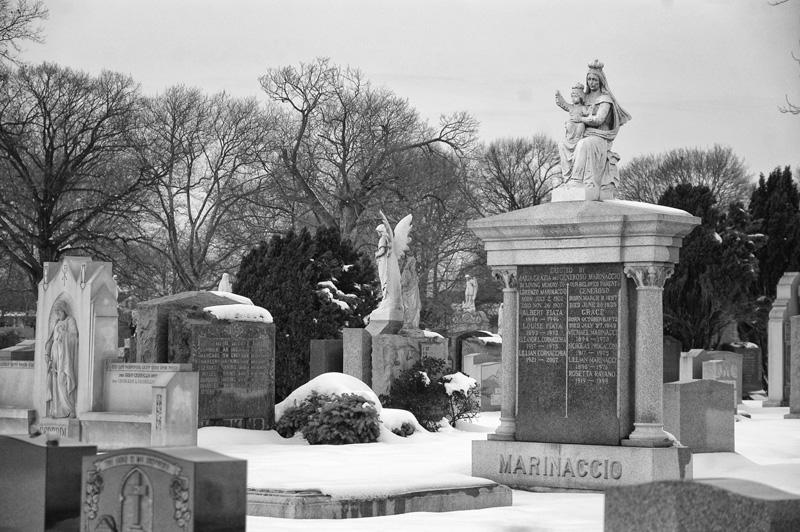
x=701, y=506
x=236, y=362
x=672, y=359
x=727, y=356
x=170, y=489
x=752, y=379
x=726, y=373
x=40, y=482
x=698, y=413
x=357, y=354
x=326, y=357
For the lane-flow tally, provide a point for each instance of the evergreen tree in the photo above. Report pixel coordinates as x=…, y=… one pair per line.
x=774, y=205
x=710, y=287
x=313, y=287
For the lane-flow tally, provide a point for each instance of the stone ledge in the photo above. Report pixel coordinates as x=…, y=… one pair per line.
x=316, y=505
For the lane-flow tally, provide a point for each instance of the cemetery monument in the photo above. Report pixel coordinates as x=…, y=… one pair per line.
x=582, y=327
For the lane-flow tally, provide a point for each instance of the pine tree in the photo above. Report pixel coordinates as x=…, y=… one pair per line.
x=774, y=205
x=313, y=287
x=711, y=283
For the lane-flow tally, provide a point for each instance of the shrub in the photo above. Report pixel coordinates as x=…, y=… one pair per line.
x=464, y=397
x=332, y=419
x=420, y=391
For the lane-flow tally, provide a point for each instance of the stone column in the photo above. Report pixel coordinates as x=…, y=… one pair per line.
x=508, y=358
x=649, y=413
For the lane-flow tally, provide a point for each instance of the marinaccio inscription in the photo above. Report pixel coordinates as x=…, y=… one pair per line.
x=549, y=466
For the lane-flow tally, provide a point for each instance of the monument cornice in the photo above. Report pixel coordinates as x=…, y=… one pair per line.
x=584, y=232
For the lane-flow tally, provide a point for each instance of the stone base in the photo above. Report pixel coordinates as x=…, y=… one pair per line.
x=546, y=466
x=315, y=505
x=792, y=416
x=579, y=193
x=774, y=404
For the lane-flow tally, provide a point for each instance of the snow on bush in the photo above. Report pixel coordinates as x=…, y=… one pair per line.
x=328, y=384
x=240, y=312
x=458, y=382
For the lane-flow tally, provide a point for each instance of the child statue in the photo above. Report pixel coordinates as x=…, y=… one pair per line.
x=574, y=127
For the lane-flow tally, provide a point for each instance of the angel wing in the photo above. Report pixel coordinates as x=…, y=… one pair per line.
x=401, y=236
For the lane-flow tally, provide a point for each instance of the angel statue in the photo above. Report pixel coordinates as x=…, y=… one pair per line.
x=392, y=245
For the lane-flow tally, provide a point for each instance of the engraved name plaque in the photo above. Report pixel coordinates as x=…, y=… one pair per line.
x=569, y=353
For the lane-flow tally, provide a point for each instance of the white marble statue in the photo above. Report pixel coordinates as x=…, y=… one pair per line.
x=593, y=163
x=409, y=283
x=392, y=245
x=470, y=291
x=61, y=353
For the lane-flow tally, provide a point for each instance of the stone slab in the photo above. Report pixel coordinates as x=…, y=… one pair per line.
x=726, y=373
x=17, y=379
x=40, y=482
x=315, y=505
x=698, y=413
x=706, y=505
x=326, y=356
x=672, y=359
x=569, y=354
x=547, y=466
x=236, y=363
x=180, y=489
x=752, y=374
x=357, y=354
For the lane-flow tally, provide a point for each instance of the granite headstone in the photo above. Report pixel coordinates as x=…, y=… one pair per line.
x=236, y=362
x=170, y=489
x=40, y=482
x=568, y=353
x=701, y=506
x=698, y=413
x=326, y=357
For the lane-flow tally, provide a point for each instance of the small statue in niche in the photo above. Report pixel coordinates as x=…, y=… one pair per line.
x=61, y=354
x=470, y=291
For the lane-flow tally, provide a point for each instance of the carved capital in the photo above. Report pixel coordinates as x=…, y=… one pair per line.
x=507, y=275
x=651, y=275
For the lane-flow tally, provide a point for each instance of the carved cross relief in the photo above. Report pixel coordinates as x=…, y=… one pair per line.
x=137, y=503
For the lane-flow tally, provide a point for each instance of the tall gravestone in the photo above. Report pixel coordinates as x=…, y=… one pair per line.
x=582, y=344
x=794, y=371
x=785, y=306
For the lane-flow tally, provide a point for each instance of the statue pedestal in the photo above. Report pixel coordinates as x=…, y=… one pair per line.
x=581, y=193
x=385, y=321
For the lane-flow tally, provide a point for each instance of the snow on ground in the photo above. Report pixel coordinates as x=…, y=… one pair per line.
x=768, y=451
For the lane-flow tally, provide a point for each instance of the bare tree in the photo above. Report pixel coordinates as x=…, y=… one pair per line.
x=17, y=23
x=65, y=168
x=203, y=154
x=515, y=173
x=647, y=177
x=339, y=135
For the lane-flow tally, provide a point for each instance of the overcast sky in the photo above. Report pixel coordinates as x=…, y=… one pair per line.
x=692, y=73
